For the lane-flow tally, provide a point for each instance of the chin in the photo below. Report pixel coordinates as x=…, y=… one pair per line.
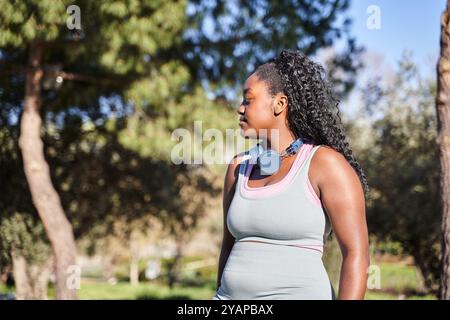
x=248, y=133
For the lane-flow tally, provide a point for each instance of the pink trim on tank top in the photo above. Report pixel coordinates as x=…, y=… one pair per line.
x=277, y=187
x=317, y=247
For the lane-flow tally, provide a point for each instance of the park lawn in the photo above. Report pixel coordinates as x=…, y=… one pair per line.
x=125, y=291
x=379, y=295
x=150, y=291
x=400, y=277
x=155, y=291
x=398, y=281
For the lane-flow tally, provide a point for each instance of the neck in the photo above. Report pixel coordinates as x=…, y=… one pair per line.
x=278, y=140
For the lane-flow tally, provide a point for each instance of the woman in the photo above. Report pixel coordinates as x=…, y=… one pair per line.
x=275, y=225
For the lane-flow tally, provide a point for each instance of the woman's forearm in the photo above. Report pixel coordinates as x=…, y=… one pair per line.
x=353, y=278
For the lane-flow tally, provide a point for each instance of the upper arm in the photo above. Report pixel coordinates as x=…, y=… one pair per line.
x=343, y=199
x=229, y=188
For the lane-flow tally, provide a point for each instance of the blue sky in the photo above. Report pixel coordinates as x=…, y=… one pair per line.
x=412, y=25
x=405, y=24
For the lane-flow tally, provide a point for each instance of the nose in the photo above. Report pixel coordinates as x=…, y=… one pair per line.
x=241, y=109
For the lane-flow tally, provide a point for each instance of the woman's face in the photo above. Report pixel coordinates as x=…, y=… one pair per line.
x=257, y=113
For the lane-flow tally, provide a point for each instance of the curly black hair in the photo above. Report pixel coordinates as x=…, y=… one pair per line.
x=313, y=112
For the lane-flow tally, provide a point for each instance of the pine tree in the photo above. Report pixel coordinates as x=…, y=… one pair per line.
x=60, y=59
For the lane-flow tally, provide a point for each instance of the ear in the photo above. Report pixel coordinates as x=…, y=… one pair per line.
x=280, y=103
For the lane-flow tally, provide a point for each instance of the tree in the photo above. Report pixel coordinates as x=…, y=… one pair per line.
x=112, y=44
x=244, y=34
x=146, y=60
x=400, y=158
x=37, y=171
x=21, y=241
x=443, y=113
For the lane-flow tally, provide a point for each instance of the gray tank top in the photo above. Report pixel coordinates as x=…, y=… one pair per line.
x=287, y=212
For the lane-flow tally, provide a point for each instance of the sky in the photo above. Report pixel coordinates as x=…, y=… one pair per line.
x=412, y=25
x=404, y=24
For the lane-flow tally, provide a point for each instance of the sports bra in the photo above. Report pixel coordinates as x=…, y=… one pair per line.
x=287, y=212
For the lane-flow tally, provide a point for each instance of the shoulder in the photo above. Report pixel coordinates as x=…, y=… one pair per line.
x=237, y=159
x=327, y=156
x=233, y=170
x=328, y=166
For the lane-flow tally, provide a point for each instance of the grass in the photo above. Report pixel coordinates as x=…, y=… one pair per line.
x=380, y=295
x=6, y=290
x=145, y=291
x=400, y=277
x=398, y=281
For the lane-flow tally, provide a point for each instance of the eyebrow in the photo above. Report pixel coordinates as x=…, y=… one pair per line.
x=247, y=90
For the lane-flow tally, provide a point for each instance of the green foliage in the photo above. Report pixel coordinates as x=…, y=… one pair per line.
x=247, y=33
x=20, y=228
x=402, y=166
x=135, y=71
x=23, y=235
x=19, y=27
x=152, y=136
x=389, y=247
x=163, y=87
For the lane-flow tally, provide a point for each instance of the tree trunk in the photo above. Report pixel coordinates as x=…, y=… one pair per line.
x=37, y=172
x=443, y=114
x=134, y=271
x=21, y=281
x=429, y=266
x=108, y=268
x=31, y=281
x=175, y=267
x=134, y=259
